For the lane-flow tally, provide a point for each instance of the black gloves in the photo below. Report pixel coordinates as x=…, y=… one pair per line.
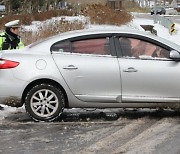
x=5, y=46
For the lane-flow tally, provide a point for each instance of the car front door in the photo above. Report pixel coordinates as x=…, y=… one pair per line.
x=89, y=68
x=147, y=73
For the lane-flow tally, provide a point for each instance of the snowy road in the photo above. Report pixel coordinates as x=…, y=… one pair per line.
x=100, y=131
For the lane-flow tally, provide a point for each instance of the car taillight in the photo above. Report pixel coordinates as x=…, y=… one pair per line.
x=5, y=64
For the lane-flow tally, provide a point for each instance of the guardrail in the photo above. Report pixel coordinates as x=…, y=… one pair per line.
x=166, y=22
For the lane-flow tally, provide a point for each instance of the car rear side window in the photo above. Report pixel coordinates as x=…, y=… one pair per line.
x=136, y=48
x=99, y=46
x=63, y=46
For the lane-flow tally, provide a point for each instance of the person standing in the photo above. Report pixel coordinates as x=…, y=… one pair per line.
x=10, y=39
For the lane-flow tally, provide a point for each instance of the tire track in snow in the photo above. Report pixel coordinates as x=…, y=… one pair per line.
x=118, y=136
x=94, y=135
x=147, y=141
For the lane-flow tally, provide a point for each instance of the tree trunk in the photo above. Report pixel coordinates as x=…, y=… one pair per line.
x=7, y=5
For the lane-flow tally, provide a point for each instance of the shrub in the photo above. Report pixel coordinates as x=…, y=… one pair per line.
x=97, y=13
x=26, y=19
x=100, y=14
x=50, y=30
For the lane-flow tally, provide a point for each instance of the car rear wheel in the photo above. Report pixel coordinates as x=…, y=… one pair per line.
x=44, y=102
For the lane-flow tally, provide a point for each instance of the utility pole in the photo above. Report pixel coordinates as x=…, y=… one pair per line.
x=155, y=11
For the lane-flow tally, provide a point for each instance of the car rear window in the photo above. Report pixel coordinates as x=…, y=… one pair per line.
x=63, y=46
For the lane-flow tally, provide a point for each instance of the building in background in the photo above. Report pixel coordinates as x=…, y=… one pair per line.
x=178, y=4
x=115, y=4
x=2, y=8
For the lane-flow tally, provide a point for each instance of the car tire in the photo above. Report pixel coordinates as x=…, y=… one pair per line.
x=44, y=102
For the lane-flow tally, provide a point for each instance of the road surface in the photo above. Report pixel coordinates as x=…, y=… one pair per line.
x=84, y=132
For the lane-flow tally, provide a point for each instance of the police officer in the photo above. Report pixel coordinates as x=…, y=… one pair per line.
x=10, y=39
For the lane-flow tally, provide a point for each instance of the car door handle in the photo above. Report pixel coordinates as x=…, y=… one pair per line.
x=70, y=67
x=130, y=69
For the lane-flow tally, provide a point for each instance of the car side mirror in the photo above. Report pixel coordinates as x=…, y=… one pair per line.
x=175, y=55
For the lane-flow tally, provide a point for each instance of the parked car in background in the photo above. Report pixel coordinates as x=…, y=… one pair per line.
x=159, y=10
x=91, y=69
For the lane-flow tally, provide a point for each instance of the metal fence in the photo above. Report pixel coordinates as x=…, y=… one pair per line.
x=166, y=22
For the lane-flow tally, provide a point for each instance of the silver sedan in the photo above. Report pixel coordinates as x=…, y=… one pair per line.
x=91, y=69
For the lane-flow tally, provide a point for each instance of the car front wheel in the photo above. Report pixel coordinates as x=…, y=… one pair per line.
x=44, y=102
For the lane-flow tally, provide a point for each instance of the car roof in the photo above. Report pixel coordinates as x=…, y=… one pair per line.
x=84, y=32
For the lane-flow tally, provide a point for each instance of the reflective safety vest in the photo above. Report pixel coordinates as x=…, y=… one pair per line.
x=2, y=39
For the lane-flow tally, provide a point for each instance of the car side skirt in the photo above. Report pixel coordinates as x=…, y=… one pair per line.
x=127, y=102
x=137, y=99
x=100, y=99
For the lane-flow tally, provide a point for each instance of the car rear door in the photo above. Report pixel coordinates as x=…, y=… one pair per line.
x=89, y=67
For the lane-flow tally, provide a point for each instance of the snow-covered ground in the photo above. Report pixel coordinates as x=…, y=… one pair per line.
x=134, y=24
x=161, y=31
x=36, y=25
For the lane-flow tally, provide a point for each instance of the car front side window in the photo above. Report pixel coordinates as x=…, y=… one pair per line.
x=136, y=48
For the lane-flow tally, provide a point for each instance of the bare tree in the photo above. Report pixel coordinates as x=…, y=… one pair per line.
x=7, y=5
x=30, y=6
